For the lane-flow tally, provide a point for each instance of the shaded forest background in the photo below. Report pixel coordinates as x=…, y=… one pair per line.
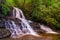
x=42, y=11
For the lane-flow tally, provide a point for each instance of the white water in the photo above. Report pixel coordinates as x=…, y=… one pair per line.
x=24, y=28
x=17, y=30
x=47, y=29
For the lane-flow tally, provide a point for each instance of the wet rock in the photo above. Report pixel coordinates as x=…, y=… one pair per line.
x=0, y=13
x=4, y=33
x=2, y=24
x=35, y=26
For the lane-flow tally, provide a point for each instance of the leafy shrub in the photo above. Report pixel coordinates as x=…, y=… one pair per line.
x=45, y=11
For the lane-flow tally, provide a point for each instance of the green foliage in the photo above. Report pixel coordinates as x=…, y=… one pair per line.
x=4, y=8
x=45, y=11
x=49, y=16
x=6, y=5
x=48, y=12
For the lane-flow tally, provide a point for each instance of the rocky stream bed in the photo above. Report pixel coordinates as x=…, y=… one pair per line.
x=5, y=34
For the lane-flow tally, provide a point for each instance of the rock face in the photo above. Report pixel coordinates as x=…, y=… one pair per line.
x=36, y=27
x=4, y=33
x=2, y=25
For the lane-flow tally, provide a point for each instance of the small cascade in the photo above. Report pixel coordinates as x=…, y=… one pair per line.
x=13, y=28
x=47, y=29
x=18, y=30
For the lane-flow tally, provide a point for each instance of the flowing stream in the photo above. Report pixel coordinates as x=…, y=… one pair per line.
x=24, y=27
x=47, y=29
x=19, y=30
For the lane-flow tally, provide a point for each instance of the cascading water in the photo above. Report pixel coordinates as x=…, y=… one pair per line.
x=47, y=29
x=18, y=30
x=23, y=27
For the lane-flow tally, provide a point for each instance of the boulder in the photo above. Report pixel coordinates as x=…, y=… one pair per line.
x=4, y=33
x=2, y=24
x=36, y=27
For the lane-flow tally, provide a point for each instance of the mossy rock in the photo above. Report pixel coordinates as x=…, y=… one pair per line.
x=4, y=33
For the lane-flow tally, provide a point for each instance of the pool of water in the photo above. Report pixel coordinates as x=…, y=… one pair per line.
x=43, y=36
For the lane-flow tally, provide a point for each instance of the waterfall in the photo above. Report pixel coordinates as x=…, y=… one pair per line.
x=47, y=29
x=19, y=30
